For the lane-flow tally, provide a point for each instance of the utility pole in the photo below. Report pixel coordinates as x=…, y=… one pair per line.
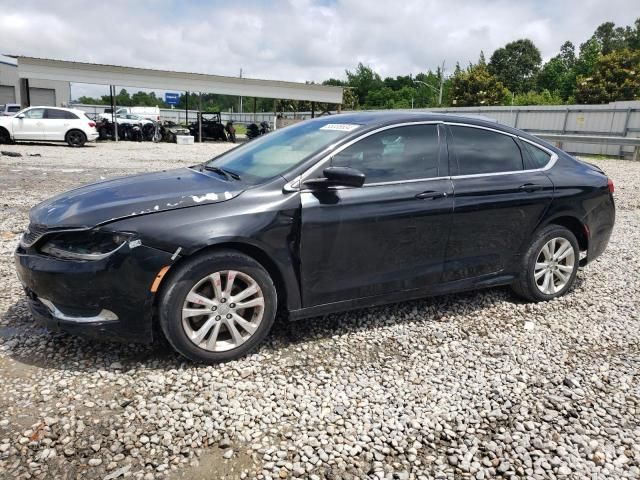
x=240, y=111
x=441, y=84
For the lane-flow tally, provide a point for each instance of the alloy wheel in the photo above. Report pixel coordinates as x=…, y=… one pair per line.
x=75, y=138
x=223, y=310
x=554, y=265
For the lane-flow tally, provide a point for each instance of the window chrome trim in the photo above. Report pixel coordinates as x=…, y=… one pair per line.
x=295, y=184
x=550, y=164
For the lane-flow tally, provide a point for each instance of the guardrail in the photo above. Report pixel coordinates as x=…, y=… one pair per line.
x=600, y=139
x=558, y=138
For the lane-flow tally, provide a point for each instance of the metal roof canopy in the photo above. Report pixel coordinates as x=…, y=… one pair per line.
x=49, y=69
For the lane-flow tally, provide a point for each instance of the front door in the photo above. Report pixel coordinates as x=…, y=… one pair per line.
x=499, y=201
x=29, y=125
x=387, y=236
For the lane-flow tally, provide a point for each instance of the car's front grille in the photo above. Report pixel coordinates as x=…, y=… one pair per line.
x=32, y=235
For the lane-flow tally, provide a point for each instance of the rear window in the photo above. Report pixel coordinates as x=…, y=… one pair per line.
x=13, y=108
x=538, y=158
x=484, y=151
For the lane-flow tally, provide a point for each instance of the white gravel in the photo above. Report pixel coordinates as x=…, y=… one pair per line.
x=476, y=385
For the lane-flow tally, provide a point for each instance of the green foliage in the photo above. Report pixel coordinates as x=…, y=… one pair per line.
x=616, y=76
x=558, y=75
x=477, y=87
x=537, y=98
x=363, y=81
x=516, y=64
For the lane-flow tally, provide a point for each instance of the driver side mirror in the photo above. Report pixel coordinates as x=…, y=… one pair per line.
x=20, y=115
x=337, y=176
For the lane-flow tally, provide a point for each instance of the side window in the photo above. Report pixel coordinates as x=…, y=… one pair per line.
x=402, y=153
x=55, y=114
x=484, y=151
x=13, y=108
x=34, y=113
x=538, y=158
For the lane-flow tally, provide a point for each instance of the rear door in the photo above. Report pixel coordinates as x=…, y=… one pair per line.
x=56, y=123
x=387, y=236
x=498, y=202
x=30, y=126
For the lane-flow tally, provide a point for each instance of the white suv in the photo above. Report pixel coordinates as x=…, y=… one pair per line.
x=49, y=124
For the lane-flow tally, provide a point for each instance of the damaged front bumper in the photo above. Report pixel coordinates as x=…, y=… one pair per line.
x=106, y=299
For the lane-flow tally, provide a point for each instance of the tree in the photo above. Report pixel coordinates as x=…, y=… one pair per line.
x=516, y=64
x=363, y=81
x=477, y=86
x=616, y=76
x=610, y=38
x=632, y=36
x=557, y=75
x=589, y=54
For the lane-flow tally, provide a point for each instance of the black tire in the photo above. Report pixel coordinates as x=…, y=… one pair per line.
x=189, y=274
x=75, y=138
x=526, y=286
x=4, y=136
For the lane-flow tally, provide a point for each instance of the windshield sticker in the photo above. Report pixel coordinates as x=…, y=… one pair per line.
x=343, y=127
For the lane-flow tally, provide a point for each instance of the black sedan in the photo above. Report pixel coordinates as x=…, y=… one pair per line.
x=330, y=214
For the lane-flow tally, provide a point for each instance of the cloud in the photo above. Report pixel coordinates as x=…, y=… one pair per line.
x=296, y=40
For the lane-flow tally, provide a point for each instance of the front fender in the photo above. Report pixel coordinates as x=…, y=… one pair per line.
x=264, y=225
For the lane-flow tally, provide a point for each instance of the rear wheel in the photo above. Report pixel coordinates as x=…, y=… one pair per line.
x=550, y=266
x=76, y=138
x=217, y=307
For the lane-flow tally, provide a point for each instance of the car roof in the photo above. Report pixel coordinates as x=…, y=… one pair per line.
x=74, y=110
x=390, y=117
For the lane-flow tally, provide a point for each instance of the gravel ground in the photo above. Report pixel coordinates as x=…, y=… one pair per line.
x=476, y=385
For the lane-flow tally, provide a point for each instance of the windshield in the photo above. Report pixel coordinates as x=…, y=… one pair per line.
x=277, y=152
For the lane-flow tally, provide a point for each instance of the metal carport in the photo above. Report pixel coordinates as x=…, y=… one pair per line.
x=80, y=72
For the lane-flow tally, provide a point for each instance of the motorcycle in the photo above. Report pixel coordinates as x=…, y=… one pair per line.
x=231, y=131
x=253, y=130
x=152, y=132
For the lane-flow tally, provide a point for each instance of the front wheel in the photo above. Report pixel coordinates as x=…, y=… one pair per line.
x=76, y=138
x=550, y=265
x=217, y=306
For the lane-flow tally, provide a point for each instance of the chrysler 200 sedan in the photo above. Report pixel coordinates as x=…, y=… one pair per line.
x=327, y=215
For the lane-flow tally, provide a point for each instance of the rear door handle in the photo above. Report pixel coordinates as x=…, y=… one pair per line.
x=530, y=187
x=431, y=194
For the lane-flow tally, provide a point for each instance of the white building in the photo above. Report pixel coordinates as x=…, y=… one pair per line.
x=41, y=92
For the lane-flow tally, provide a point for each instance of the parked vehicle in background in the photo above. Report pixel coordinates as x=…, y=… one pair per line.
x=151, y=113
x=49, y=124
x=327, y=215
x=212, y=127
x=9, y=109
x=170, y=130
x=132, y=118
x=254, y=131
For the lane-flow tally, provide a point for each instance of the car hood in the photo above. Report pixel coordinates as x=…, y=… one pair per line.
x=103, y=202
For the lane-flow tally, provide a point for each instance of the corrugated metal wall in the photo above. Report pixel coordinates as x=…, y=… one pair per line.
x=615, y=119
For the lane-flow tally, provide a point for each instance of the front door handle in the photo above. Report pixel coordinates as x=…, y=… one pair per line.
x=431, y=195
x=530, y=187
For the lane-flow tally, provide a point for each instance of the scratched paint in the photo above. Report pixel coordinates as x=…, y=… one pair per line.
x=203, y=198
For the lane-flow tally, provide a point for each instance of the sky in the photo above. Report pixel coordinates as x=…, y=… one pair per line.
x=295, y=40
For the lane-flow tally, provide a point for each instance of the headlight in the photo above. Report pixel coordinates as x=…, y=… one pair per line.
x=86, y=245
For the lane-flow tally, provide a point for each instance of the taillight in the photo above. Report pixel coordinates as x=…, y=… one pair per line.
x=92, y=124
x=610, y=185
